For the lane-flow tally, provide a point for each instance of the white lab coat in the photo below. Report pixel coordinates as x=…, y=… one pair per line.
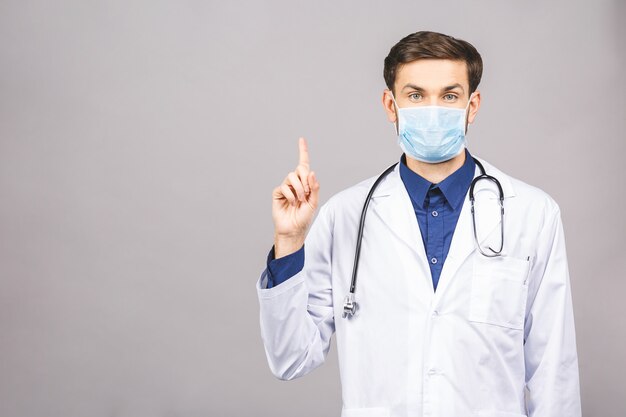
x=494, y=327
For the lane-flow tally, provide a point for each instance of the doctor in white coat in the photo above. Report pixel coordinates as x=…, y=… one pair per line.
x=491, y=336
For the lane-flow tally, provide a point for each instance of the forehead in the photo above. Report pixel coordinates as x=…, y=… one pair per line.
x=432, y=74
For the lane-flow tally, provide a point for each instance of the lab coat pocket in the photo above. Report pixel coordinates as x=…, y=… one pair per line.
x=365, y=412
x=499, y=290
x=492, y=413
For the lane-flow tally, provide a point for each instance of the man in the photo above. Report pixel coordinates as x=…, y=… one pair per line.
x=461, y=311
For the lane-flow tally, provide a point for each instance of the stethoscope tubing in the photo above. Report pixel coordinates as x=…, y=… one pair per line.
x=359, y=239
x=350, y=305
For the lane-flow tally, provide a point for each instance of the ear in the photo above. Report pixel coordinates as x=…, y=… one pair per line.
x=390, y=108
x=474, y=105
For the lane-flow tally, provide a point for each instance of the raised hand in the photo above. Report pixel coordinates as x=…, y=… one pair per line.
x=293, y=205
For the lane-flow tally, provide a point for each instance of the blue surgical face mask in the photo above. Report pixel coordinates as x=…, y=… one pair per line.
x=431, y=133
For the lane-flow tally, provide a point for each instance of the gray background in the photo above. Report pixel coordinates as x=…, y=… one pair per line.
x=140, y=142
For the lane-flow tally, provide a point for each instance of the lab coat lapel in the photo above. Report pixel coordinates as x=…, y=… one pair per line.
x=392, y=204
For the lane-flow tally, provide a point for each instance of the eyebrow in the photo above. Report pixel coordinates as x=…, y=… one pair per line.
x=453, y=86
x=420, y=89
x=413, y=87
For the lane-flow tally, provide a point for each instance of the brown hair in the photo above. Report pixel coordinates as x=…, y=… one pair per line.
x=433, y=45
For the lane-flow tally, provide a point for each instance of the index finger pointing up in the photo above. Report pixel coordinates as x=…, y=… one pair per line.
x=304, y=152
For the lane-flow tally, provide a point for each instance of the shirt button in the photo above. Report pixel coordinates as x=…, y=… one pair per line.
x=432, y=372
x=435, y=313
x=434, y=213
x=433, y=260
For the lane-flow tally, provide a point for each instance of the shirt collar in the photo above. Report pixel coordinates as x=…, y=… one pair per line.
x=454, y=186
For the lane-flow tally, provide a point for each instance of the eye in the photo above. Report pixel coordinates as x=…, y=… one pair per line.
x=415, y=96
x=450, y=97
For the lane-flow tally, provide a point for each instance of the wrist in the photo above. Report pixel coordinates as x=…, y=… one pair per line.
x=286, y=245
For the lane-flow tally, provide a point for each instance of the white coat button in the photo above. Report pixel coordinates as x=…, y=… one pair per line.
x=432, y=371
x=434, y=213
x=433, y=260
x=435, y=313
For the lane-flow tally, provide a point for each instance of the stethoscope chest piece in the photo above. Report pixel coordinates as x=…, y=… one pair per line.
x=350, y=306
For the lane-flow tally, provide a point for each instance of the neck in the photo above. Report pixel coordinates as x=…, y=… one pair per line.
x=437, y=172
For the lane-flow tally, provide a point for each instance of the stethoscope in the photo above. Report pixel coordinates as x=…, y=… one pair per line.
x=350, y=306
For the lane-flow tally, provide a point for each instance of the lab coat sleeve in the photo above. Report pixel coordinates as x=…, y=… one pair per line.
x=549, y=337
x=296, y=316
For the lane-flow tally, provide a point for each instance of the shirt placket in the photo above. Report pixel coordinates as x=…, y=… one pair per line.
x=435, y=210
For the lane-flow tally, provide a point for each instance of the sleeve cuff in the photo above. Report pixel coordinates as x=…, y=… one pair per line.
x=280, y=270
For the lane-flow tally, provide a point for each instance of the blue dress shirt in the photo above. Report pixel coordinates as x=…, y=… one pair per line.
x=437, y=208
